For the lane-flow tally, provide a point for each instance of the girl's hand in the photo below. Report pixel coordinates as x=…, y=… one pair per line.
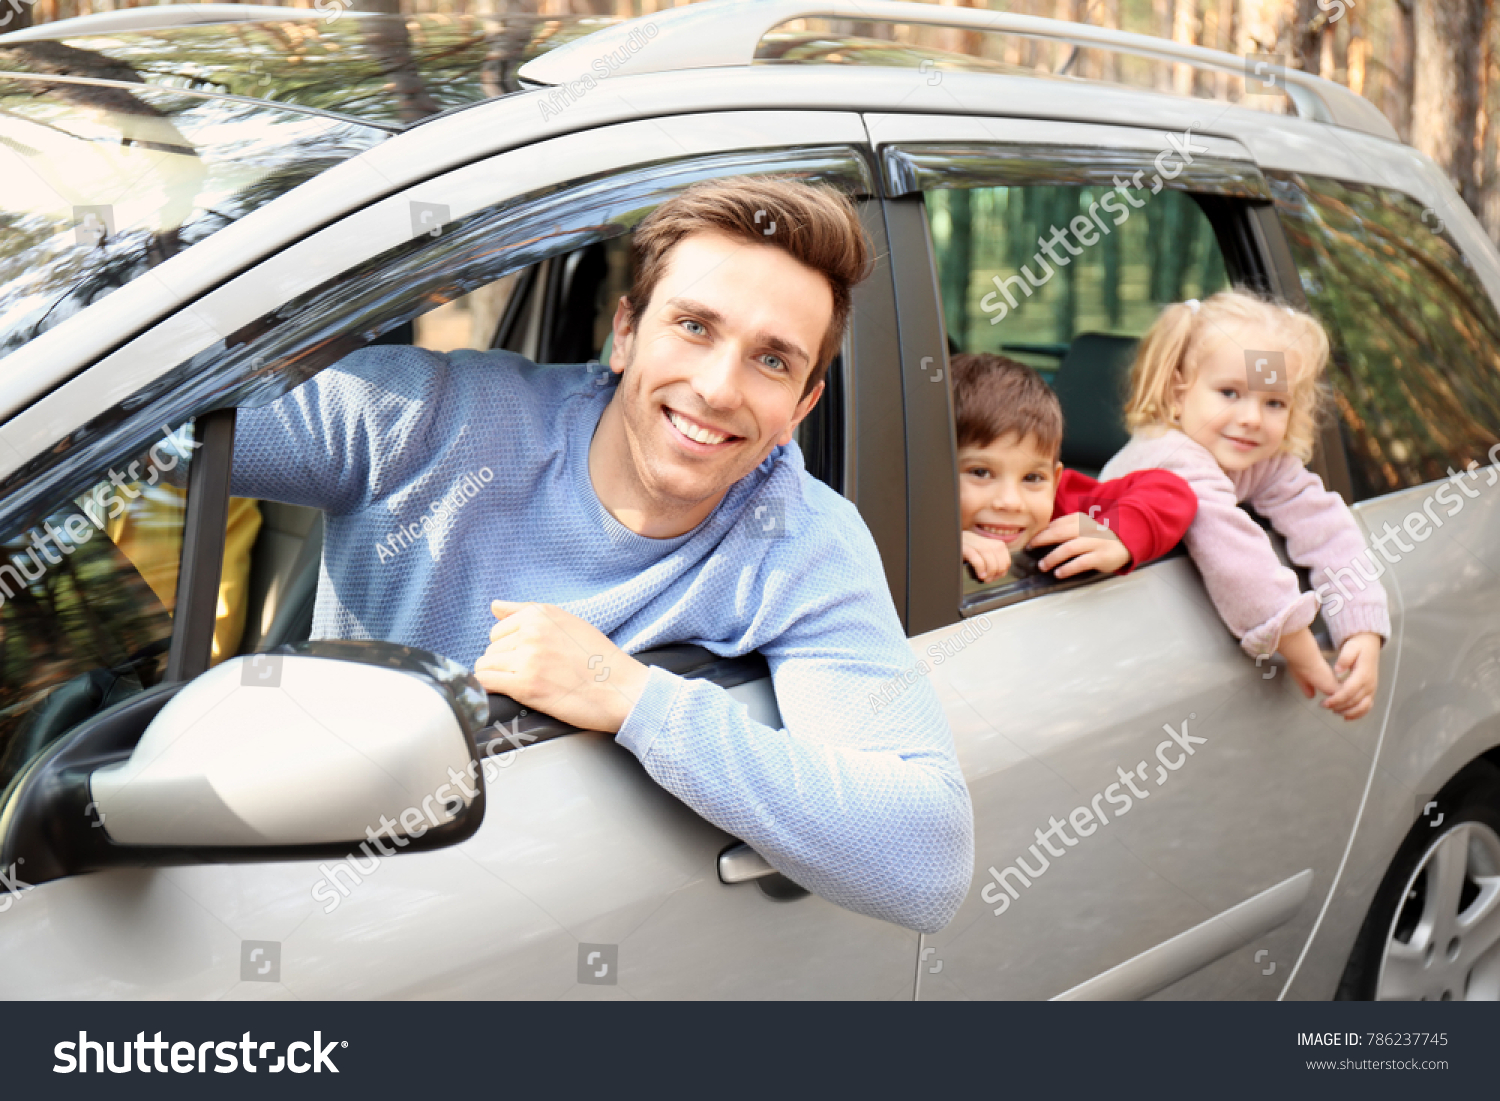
x=1359, y=668
x=1086, y=545
x=1307, y=665
x=989, y=557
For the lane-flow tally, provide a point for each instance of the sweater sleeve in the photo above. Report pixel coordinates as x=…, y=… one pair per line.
x=346, y=436
x=1149, y=510
x=857, y=795
x=1322, y=535
x=1257, y=597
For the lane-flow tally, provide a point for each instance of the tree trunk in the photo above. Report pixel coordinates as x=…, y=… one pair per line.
x=1260, y=25
x=14, y=19
x=1397, y=66
x=1448, y=66
x=1185, y=24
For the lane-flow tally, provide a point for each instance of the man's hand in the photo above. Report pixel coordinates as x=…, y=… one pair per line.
x=554, y=662
x=1085, y=546
x=989, y=557
x=1358, y=666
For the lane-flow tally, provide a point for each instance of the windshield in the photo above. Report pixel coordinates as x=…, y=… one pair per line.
x=100, y=183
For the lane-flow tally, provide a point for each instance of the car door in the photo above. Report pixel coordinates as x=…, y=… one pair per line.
x=1155, y=814
x=585, y=879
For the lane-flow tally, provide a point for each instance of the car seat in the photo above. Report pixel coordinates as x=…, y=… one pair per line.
x=1091, y=384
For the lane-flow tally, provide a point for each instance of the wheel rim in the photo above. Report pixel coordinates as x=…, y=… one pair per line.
x=1444, y=944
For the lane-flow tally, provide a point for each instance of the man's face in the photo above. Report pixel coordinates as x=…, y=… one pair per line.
x=714, y=368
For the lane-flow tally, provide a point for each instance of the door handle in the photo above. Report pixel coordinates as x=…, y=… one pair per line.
x=740, y=864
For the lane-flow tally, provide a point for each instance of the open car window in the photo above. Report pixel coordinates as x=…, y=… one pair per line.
x=1027, y=272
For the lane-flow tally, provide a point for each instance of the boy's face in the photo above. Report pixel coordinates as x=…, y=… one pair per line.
x=1006, y=489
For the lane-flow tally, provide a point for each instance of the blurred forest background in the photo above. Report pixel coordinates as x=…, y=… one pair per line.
x=1430, y=65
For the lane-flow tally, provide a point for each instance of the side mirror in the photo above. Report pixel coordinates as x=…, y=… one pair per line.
x=303, y=749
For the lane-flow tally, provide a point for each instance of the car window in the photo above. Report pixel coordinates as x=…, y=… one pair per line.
x=98, y=185
x=1025, y=273
x=1416, y=339
x=87, y=588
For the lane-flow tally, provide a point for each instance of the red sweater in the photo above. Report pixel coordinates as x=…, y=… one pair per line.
x=1149, y=510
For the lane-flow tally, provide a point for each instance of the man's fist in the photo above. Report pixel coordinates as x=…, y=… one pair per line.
x=552, y=661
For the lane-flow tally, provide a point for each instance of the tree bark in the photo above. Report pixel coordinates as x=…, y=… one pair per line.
x=15, y=15
x=1448, y=86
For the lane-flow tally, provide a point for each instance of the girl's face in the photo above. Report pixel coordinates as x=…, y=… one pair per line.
x=1238, y=425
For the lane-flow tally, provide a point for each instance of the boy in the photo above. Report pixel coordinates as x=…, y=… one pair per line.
x=1013, y=493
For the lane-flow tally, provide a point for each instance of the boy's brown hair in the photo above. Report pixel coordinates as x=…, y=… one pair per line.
x=994, y=396
x=815, y=225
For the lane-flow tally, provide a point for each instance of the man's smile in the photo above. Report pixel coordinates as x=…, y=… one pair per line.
x=697, y=436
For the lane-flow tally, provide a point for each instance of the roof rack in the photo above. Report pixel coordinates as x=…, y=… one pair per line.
x=725, y=33
x=161, y=16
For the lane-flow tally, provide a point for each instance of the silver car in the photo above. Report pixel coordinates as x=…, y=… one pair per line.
x=201, y=207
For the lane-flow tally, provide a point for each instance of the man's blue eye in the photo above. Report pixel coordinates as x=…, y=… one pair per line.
x=774, y=362
x=696, y=327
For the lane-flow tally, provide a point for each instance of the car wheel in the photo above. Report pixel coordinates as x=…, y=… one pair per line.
x=1433, y=931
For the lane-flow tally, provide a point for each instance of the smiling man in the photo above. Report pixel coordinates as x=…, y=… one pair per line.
x=600, y=514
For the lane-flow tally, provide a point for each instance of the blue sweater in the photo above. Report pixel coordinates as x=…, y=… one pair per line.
x=449, y=480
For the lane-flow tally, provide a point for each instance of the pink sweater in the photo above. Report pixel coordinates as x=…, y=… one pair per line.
x=1256, y=595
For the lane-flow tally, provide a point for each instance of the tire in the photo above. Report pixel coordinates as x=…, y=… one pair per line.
x=1433, y=930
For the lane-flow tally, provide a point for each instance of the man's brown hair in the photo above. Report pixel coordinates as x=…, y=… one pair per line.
x=815, y=225
x=994, y=396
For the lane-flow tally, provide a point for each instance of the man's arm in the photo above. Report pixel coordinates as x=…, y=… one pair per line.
x=858, y=795
x=332, y=443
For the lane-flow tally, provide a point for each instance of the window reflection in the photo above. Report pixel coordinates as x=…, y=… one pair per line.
x=86, y=595
x=100, y=184
x=1416, y=340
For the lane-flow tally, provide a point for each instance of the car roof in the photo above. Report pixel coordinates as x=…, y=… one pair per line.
x=395, y=71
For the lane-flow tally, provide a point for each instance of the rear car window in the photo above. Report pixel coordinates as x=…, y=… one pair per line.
x=1416, y=339
x=99, y=184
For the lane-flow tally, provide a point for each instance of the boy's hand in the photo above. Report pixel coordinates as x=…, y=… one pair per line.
x=1358, y=667
x=1307, y=665
x=989, y=557
x=1085, y=546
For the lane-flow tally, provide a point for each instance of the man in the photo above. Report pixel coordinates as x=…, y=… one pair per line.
x=670, y=504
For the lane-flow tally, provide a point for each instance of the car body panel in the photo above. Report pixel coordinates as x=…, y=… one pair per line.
x=1092, y=678
x=578, y=847
x=1445, y=607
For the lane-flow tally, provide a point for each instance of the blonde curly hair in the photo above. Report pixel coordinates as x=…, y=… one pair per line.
x=1172, y=349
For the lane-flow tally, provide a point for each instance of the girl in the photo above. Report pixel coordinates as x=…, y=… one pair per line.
x=1225, y=393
